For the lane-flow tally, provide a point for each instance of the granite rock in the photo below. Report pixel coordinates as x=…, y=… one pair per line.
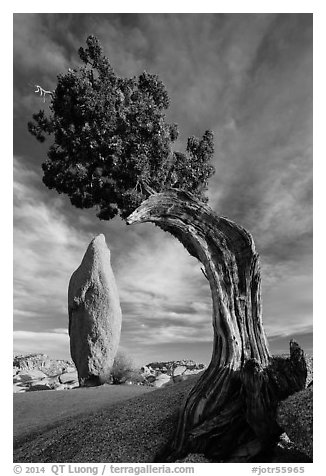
x=94, y=315
x=68, y=378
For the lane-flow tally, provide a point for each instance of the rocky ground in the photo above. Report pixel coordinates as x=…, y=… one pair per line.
x=37, y=412
x=131, y=431
x=34, y=372
x=134, y=430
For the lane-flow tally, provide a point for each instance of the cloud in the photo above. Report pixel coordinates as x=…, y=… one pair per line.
x=279, y=344
x=164, y=296
x=34, y=49
x=60, y=331
x=50, y=343
x=287, y=295
x=162, y=270
x=43, y=48
x=288, y=306
x=46, y=251
x=265, y=176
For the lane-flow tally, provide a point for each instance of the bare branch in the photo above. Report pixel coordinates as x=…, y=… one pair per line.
x=43, y=92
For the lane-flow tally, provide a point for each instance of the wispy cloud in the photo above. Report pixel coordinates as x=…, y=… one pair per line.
x=34, y=48
x=46, y=251
x=267, y=150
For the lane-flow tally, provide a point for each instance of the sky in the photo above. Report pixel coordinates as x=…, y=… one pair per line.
x=248, y=78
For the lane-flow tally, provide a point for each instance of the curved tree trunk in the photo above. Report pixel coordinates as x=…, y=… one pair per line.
x=230, y=412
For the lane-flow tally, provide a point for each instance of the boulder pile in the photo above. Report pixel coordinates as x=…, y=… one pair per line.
x=43, y=363
x=159, y=374
x=33, y=372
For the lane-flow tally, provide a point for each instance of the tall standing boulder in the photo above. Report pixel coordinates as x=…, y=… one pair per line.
x=94, y=315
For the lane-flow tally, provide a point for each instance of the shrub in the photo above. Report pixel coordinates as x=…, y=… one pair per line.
x=122, y=368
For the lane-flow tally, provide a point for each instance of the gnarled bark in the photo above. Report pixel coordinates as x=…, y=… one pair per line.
x=230, y=412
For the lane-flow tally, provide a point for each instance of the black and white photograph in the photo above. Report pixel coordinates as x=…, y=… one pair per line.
x=162, y=241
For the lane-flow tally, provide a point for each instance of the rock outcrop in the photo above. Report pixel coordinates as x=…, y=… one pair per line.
x=40, y=385
x=174, y=367
x=27, y=376
x=69, y=378
x=50, y=367
x=33, y=372
x=158, y=374
x=161, y=380
x=19, y=388
x=94, y=315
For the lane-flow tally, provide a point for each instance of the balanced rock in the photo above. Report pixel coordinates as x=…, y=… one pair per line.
x=94, y=315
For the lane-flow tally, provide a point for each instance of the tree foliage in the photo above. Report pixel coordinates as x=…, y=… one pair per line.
x=112, y=142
